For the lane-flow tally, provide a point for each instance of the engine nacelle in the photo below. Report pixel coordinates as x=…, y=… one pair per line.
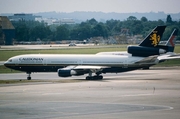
x=144, y=51
x=68, y=73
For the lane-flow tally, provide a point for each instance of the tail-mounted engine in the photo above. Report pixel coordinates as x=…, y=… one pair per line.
x=142, y=51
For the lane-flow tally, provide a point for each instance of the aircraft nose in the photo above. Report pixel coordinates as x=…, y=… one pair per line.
x=5, y=63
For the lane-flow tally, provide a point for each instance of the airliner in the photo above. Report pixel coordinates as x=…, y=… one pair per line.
x=147, y=53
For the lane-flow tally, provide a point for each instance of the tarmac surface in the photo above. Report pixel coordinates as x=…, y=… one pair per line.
x=140, y=94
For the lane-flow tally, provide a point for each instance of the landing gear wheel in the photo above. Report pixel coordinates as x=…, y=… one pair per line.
x=89, y=78
x=94, y=77
x=145, y=68
x=100, y=77
x=29, y=76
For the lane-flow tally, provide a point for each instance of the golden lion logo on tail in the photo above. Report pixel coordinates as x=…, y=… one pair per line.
x=155, y=38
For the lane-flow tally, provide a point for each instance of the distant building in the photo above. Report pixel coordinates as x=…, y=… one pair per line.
x=54, y=21
x=49, y=21
x=7, y=31
x=26, y=17
x=64, y=21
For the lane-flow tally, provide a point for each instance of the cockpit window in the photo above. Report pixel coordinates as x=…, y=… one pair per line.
x=10, y=60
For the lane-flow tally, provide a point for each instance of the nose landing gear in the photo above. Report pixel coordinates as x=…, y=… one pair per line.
x=29, y=76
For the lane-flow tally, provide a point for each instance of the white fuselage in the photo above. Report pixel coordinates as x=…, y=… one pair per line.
x=66, y=60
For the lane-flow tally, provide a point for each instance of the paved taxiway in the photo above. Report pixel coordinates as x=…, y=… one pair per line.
x=141, y=94
x=48, y=46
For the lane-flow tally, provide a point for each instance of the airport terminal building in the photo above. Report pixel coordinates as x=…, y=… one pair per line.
x=22, y=16
x=7, y=31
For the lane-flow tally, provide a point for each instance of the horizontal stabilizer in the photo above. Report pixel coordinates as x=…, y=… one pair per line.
x=169, y=56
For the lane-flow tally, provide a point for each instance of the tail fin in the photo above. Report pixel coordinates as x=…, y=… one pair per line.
x=153, y=39
x=171, y=41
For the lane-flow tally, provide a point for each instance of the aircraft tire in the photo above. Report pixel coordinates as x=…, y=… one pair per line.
x=28, y=78
x=89, y=78
x=94, y=77
x=146, y=68
x=100, y=77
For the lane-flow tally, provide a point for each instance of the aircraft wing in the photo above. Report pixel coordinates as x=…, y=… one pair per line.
x=88, y=67
x=93, y=69
x=85, y=68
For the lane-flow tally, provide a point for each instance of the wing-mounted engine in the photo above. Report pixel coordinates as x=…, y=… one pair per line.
x=65, y=73
x=142, y=51
x=70, y=71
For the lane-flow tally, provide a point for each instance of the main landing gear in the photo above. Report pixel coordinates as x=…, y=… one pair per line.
x=96, y=77
x=29, y=76
x=145, y=68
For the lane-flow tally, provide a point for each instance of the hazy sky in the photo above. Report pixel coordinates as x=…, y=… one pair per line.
x=119, y=6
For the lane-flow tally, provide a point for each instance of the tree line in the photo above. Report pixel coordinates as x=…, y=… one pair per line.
x=33, y=30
